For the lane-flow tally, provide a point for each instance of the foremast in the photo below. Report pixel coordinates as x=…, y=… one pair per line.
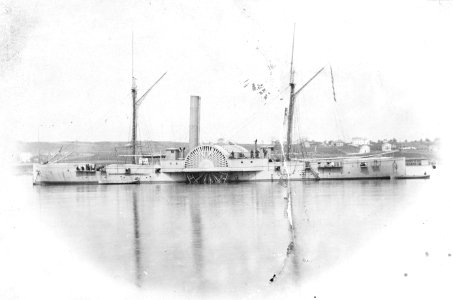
x=135, y=105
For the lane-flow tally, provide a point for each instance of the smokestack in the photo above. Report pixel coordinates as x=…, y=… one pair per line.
x=194, y=126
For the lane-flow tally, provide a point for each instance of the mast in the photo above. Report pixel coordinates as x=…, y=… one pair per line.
x=134, y=106
x=291, y=104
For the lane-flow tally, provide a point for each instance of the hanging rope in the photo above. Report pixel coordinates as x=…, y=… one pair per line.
x=260, y=110
x=333, y=86
x=337, y=121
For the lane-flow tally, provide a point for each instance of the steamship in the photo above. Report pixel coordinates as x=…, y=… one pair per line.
x=225, y=162
x=219, y=163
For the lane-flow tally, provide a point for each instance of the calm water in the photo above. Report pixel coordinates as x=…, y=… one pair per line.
x=219, y=239
x=200, y=240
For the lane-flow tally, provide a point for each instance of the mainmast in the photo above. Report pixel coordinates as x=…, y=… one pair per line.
x=134, y=107
x=291, y=104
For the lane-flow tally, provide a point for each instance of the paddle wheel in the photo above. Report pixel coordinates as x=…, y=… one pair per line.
x=207, y=177
x=206, y=165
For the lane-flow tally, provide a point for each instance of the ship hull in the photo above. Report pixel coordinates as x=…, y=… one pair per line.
x=418, y=169
x=239, y=170
x=64, y=173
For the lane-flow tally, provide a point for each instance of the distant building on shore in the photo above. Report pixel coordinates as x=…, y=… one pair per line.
x=304, y=142
x=386, y=147
x=338, y=143
x=408, y=148
x=434, y=147
x=364, y=149
x=25, y=157
x=358, y=141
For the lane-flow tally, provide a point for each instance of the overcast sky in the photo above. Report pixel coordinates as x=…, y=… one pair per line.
x=66, y=68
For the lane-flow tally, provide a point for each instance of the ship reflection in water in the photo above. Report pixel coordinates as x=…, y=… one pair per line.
x=205, y=239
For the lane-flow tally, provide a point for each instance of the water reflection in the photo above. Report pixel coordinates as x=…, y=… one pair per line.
x=137, y=246
x=293, y=248
x=291, y=260
x=197, y=237
x=229, y=238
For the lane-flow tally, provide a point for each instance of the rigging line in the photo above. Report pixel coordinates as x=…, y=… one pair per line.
x=297, y=124
x=249, y=122
x=129, y=134
x=304, y=151
x=96, y=116
x=142, y=125
x=143, y=130
x=102, y=117
x=112, y=107
x=256, y=31
x=295, y=130
x=144, y=143
x=333, y=85
x=338, y=123
x=274, y=98
x=282, y=90
x=258, y=109
x=140, y=135
x=148, y=132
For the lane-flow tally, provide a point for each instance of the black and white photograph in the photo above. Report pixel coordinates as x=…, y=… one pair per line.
x=236, y=149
